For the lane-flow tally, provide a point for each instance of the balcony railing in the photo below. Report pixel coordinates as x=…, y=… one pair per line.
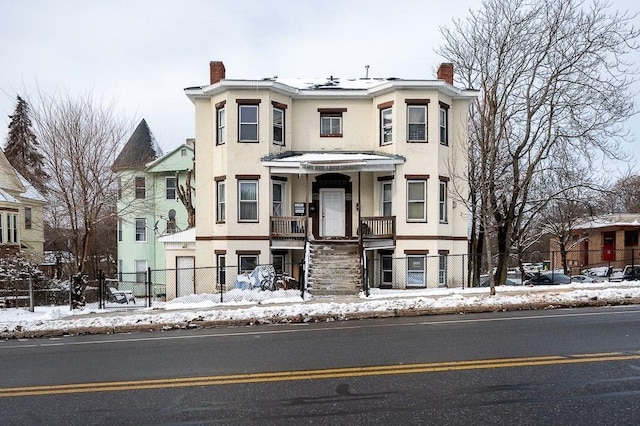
x=288, y=227
x=378, y=227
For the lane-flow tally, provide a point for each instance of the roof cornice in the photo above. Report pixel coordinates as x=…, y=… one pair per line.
x=383, y=88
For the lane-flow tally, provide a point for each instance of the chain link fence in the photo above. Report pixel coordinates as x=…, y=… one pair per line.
x=250, y=283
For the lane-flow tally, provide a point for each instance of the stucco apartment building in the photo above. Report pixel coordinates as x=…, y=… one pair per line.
x=289, y=171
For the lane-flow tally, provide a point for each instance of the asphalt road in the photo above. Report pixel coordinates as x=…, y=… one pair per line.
x=579, y=366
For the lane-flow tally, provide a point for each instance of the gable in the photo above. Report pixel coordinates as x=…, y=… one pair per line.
x=179, y=159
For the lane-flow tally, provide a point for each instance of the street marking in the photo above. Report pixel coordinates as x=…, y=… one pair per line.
x=330, y=373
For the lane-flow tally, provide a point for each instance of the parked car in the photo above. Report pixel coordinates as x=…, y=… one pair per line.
x=616, y=275
x=631, y=273
x=548, y=278
x=484, y=281
x=584, y=279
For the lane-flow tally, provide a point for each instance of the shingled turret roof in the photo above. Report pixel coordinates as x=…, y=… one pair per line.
x=139, y=149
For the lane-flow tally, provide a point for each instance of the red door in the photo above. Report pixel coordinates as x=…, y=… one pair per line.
x=609, y=246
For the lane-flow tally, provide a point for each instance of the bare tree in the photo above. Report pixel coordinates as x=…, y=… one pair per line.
x=554, y=86
x=185, y=194
x=81, y=138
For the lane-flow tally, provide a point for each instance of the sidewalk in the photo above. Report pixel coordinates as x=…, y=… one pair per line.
x=186, y=314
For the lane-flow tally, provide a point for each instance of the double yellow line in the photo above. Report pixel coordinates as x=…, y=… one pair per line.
x=315, y=374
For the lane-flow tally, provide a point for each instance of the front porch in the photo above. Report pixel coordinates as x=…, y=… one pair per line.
x=290, y=232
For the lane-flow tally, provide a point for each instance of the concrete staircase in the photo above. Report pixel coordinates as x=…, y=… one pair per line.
x=334, y=268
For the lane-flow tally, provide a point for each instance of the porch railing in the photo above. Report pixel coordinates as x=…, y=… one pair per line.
x=378, y=227
x=288, y=227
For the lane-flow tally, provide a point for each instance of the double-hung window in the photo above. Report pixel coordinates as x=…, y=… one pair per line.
x=140, y=187
x=278, y=123
x=221, y=213
x=444, y=124
x=417, y=200
x=386, y=126
x=221, y=123
x=417, y=120
x=248, y=120
x=170, y=187
x=331, y=121
x=247, y=200
x=416, y=271
x=443, y=214
x=119, y=230
x=141, y=229
x=277, y=195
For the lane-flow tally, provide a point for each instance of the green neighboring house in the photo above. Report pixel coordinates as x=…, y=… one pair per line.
x=148, y=203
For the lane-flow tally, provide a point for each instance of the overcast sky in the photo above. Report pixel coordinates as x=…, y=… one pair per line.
x=141, y=54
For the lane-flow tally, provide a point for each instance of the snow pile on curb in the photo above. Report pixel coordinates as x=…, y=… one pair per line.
x=202, y=311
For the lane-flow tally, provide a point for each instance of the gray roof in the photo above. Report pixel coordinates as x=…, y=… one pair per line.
x=139, y=149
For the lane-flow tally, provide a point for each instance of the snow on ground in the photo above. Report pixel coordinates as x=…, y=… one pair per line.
x=281, y=306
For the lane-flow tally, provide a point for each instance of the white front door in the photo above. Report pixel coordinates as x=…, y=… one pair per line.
x=332, y=213
x=185, y=276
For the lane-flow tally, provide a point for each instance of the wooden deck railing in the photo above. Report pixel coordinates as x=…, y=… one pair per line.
x=288, y=227
x=378, y=227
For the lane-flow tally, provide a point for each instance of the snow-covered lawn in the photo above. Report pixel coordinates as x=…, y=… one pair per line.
x=283, y=306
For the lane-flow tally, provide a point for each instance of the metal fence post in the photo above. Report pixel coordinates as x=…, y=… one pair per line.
x=149, y=293
x=31, y=297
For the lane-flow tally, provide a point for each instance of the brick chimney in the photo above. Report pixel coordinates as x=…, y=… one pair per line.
x=445, y=72
x=216, y=71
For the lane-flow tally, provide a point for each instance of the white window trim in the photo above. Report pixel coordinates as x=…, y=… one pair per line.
x=167, y=187
x=423, y=200
x=256, y=201
x=384, y=127
x=443, y=125
x=415, y=271
x=331, y=117
x=443, y=200
x=144, y=222
x=221, y=201
x=423, y=123
x=442, y=269
x=281, y=126
x=256, y=123
x=221, y=124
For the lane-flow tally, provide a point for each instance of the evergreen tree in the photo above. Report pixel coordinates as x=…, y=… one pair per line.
x=22, y=148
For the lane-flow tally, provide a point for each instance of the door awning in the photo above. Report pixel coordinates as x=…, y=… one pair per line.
x=322, y=162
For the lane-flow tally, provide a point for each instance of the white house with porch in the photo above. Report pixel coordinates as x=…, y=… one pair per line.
x=350, y=174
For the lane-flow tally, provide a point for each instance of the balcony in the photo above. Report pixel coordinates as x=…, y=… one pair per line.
x=378, y=231
x=288, y=232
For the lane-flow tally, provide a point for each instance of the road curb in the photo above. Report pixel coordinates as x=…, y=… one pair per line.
x=199, y=323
